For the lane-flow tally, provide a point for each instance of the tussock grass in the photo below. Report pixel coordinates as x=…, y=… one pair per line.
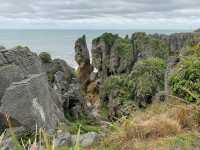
x=162, y=126
x=42, y=141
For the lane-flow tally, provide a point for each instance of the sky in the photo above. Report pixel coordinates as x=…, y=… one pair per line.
x=100, y=14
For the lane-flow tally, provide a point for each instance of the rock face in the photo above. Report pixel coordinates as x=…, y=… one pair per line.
x=115, y=55
x=30, y=102
x=85, y=140
x=101, y=51
x=83, y=59
x=177, y=41
x=25, y=94
x=8, y=74
x=62, y=78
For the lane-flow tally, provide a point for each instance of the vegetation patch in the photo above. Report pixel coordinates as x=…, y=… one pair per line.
x=185, y=81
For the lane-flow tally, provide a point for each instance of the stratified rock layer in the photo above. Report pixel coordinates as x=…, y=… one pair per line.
x=25, y=95
x=62, y=78
x=30, y=102
x=83, y=59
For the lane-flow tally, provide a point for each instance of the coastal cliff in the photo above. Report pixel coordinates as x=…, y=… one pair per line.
x=121, y=77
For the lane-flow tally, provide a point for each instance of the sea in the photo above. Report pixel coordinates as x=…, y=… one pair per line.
x=60, y=43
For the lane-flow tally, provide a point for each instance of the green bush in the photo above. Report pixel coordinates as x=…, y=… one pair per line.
x=121, y=84
x=45, y=57
x=193, y=50
x=185, y=81
x=108, y=38
x=148, y=75
x=123, y=47
x=146, y=79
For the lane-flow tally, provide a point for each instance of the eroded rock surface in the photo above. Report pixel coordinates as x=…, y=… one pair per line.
x=62, y=78
x=30, y=102
x=177, y=41
x=82, y=57
x=25, y=95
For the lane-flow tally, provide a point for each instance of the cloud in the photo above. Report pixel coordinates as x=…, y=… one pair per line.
x=105, y=12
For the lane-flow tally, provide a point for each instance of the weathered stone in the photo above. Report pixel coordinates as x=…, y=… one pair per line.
x=74, y=102
x=29, y=102
x=177, y=41
x=27, y=61
x=8, y=74
x=114, y=55
x=62, y=139
x=68, y=90
x=83, y=59
x=101, y=49
x=86, y=139
x=81, y=51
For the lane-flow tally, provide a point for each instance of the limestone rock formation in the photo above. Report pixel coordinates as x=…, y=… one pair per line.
x=115, y=55
x=25, y=95
x=62, y=78
x=177, y=41
x=30, y=102
x=83, y=59
x=101, y=51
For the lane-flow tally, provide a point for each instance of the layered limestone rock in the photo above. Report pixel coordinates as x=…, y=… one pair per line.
x=177, y=41
x=101, y=51
x=82, y=57
x=62, y=78
x=25, y=95
x=115, y=55
x=30, y=102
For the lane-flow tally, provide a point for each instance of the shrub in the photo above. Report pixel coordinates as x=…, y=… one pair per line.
x=123, y=47
x=145, y=80
x=45, y=57
x=108, y=38
x=185, y=81
x=148, y=75
x=118, y=83
x=193, y=49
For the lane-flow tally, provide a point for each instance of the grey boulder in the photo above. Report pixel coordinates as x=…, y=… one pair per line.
x=86, y=139
x=30, y=102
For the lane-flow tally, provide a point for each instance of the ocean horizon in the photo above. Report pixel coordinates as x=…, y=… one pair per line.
x=60, y=42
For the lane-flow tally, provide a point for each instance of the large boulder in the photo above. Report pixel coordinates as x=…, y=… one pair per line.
x=30, y=102
x=26, y=98
x=86, y=139
x=15, y=65
x=66, y=139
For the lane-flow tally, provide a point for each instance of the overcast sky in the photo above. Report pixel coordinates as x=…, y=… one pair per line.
x=100, y=14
